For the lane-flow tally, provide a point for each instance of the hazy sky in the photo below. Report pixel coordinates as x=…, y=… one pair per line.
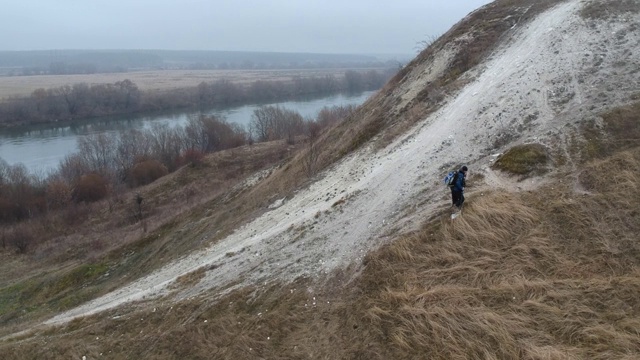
x=325, y=26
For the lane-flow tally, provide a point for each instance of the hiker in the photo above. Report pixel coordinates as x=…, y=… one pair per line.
x=457, y=190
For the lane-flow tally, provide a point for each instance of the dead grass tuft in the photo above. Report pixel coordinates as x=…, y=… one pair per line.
x=605, y=9
x=619, y=131
x=189, y=279
x=523, y=160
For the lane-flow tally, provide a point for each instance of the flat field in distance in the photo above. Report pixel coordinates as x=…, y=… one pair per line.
x=149, y=80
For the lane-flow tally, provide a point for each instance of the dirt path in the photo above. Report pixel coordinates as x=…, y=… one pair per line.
x=533, y=86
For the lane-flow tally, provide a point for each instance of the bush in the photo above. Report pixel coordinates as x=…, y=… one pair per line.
x=75, y=214
x=21, y=238
x=10, y=211
x=523, y=159
x=57, y=194
x=192, y=157
x=621, y=126
x=146, y=172
x=91, y=187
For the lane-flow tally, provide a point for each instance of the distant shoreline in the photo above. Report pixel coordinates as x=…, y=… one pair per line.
x=165, y=91
x=159, y=80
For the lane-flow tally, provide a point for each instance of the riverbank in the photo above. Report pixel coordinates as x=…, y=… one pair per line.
x=81, y=101
x=41, y=147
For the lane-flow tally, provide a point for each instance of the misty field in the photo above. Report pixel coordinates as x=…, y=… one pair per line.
x=155, y=80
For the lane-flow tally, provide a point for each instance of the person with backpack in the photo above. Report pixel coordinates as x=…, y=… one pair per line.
x=457, y=186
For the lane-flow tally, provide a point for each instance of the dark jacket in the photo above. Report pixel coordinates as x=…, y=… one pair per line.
x=460, y=183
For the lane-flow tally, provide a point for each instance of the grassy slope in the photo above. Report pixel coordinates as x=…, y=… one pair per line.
x=106, y=249
x=548, y=274
x=552, y=274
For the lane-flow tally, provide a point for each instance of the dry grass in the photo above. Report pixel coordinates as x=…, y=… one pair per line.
x=53, y=275
x=619, y=131
x=155, y=80
x=544, y=275
x=189, y=279
x=551, y=274
x=523, y=160
x=604, y=9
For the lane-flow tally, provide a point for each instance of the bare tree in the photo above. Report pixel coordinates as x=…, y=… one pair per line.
x=129, y=92
x=97, y=151
x=310, y=159
x=425, y=44
x=328, y=116
x=132, y=146
x=167, y=144
x=274, y=123
x=75, y=97
x=72, y=167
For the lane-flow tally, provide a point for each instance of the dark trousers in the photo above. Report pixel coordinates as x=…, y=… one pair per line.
x=457, y=197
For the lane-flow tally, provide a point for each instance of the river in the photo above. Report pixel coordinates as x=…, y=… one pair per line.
x=41, y=148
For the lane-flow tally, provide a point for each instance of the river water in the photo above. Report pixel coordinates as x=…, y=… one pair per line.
x=41, y=148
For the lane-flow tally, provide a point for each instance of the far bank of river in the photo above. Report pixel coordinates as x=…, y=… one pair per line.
x=41, y=148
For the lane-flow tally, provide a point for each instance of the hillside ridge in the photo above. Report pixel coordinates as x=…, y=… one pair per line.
x=536, y=84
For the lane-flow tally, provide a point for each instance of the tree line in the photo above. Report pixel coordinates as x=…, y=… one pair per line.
x=80, y=101
x=107, y=164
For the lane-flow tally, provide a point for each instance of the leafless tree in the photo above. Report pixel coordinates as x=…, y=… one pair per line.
x=167, y=144
x=132, y=146
x=274, y=123
x=424, y=44
x=97, y=151
x=310, y=159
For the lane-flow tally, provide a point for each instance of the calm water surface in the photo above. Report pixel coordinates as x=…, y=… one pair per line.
x=41, y=149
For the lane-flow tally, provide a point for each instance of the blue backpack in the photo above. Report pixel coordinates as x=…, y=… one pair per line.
x=450, y=179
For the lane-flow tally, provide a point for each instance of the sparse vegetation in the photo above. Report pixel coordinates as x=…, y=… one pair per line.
x=148, y=171
x=473, y=40
x=619, y=130
x=86, y=233
x=523, y=160
x=603, y=9
x=189, y=279
x=274, y=122
x=547, y=276
x=550, y=273
x=105, y=163
x=90, y=188
x=20, y=237
x=621, y=127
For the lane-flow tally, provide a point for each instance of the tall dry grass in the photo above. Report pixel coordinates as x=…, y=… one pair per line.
x=551, y=274
x=605, y=9
x=548, y=274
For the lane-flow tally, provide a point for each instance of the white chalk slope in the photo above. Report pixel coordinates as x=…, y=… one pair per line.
x=551, y=72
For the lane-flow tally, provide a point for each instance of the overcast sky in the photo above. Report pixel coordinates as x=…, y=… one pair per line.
x=323, y=26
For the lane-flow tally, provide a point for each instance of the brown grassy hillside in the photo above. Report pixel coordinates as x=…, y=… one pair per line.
x=547, y=274
x=550, y=271
x=91, y=249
